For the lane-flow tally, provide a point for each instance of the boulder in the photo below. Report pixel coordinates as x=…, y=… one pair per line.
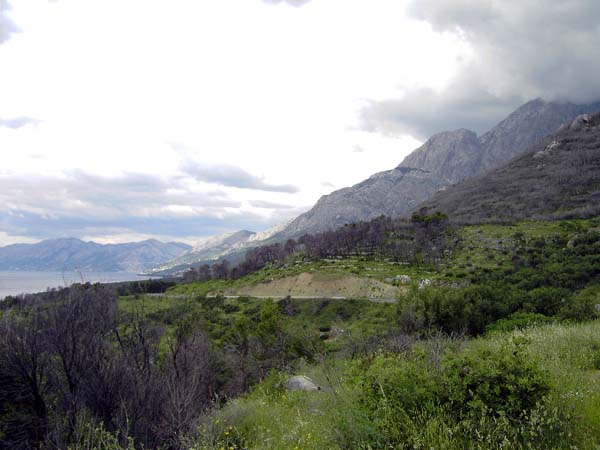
x=424, y=283
x=300, y=383
x=580, y=122
x=404, y=279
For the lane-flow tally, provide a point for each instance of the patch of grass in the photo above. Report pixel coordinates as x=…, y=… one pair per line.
x=335, y=418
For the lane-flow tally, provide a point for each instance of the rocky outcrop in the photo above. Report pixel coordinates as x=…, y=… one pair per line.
x=392, y=193
x=301, y=383
x=446, y=158
x=451, y=156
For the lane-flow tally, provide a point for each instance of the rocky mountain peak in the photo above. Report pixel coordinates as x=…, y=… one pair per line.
x=450, y=155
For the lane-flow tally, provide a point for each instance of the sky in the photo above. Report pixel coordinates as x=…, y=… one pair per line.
x=180, y=119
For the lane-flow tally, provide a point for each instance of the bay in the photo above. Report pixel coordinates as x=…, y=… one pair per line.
x=27, y=282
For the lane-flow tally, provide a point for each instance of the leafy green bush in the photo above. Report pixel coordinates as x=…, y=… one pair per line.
x=518, y=321
x=581, y=306
x=501, y=382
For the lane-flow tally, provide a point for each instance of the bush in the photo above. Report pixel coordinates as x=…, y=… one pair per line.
x=501, y=382
x=581, y=306
x=547, y=300
x=518, y=321
x=394, y=389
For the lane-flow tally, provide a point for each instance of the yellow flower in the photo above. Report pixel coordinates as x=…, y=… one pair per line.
x=227, y=433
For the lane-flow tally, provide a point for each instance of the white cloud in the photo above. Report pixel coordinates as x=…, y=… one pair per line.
x=272, y=91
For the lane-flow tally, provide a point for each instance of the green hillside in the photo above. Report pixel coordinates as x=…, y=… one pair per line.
x=492, y=341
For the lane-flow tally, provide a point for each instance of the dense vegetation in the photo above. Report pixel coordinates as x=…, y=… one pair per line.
x=423, y=238
x=479, y=356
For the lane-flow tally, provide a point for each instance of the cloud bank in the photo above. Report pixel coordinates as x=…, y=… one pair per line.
x=17, y=122
x=521, y=50
x=7, y=26
x=233, y=176
x=81, y=204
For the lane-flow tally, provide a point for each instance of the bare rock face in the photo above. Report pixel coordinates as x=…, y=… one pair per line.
x=393, y=193
x=451, y=156
x=301, y=383
x=446, y=158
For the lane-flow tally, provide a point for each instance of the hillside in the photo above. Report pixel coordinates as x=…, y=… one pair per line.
x=558, y=177
x=74, y=254
x=445, y=158
x=232, y=246
x=482, y=344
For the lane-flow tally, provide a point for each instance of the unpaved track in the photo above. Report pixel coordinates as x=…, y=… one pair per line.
x=320, y=285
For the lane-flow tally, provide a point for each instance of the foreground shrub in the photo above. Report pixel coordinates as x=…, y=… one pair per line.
x=495, y=381
x=483, y=397
x=518, y=321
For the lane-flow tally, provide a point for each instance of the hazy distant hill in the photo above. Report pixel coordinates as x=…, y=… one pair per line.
x=232, y=246
x=558, y=177
x=74, y=254
x=446, y=158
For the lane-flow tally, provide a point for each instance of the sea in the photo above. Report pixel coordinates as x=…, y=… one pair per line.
x=29, y=282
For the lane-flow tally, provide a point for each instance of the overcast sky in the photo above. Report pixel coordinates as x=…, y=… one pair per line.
x=123, y=120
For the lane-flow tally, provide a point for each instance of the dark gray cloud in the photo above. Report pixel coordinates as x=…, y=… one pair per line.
x=87, y=195
x=82, y=204
x=39, y=226
x=17, y=122
x=523, y=50
x=7, y=26
x=232, y=176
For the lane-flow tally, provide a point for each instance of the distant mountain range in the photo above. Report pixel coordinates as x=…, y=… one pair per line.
x=74, y=254
x=446, y=158
x=556, y=178
x=230, y=245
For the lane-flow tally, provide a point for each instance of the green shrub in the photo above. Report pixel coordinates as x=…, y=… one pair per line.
x=581, y=307
x=518, y=321
x=394, y=389
x=501, y=382
x=547, y=300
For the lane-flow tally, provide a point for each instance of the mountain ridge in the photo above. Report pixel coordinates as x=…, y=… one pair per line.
x=559, y=177
x=75, y=254
x=232, y=245
x=444, y=159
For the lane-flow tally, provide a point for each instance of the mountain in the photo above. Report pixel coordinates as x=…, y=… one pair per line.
x=230, y=245
x=446, y=158
x=558, y=177
x=74, y=254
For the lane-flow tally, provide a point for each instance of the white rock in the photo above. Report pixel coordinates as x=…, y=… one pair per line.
x=301, y=383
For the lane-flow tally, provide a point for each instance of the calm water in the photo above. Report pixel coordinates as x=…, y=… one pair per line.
x=21, y=282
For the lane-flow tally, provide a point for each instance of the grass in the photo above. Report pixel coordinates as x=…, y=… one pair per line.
x=271, y=418
x=476, y=248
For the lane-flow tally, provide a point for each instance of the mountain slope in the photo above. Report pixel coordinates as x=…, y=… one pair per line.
x=446, y=158
x=556, y=178
x=73, y=254
x=391, y=193
x=230, y=245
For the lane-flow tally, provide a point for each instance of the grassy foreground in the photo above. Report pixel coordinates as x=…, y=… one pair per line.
x=563, y=358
